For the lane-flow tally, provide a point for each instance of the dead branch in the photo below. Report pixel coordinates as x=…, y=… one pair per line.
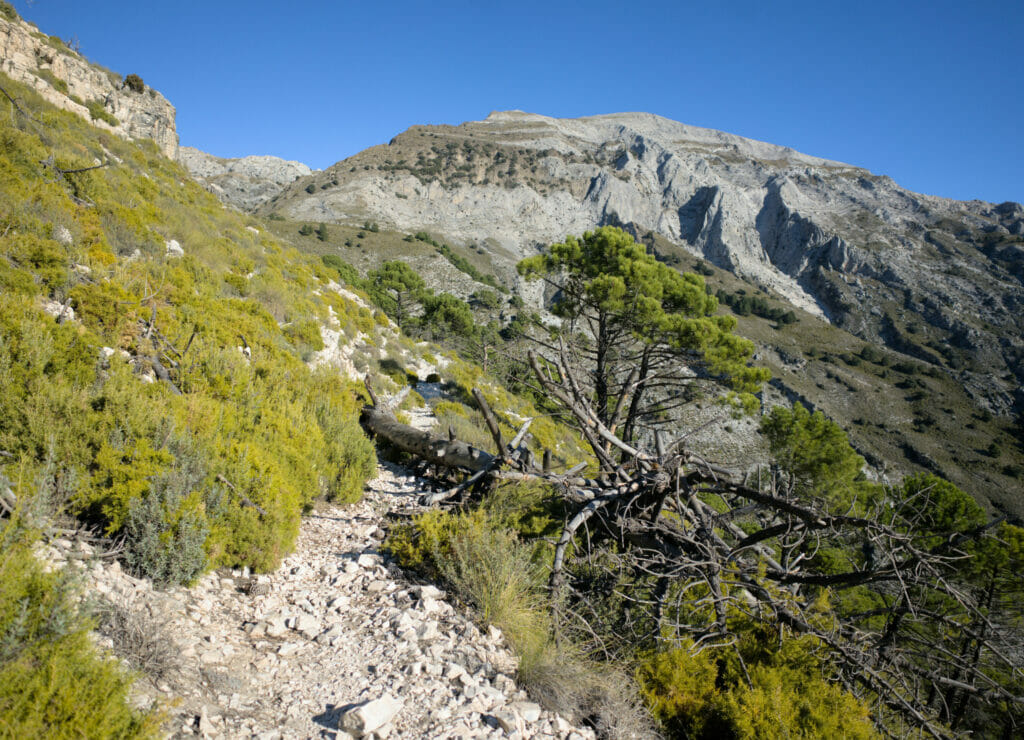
x=246, y=501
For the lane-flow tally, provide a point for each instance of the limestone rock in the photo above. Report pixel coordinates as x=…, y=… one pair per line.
x=371, y=716
x=834, y=239
x=245, y=671
x=247, y=182
x=140, y=115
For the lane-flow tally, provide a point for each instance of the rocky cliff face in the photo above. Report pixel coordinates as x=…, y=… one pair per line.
x=938, y=279
x=247, y=182
x=69, y=81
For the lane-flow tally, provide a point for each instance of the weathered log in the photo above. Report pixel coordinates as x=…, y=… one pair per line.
x=438, y=450
x=489, y=418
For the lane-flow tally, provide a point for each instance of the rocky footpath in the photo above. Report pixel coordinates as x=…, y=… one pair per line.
x=337, y=643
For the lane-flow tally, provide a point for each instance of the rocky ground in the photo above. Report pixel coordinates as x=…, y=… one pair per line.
x=337, y=643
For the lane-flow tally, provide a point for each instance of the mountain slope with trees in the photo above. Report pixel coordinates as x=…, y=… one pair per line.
x=906, y=305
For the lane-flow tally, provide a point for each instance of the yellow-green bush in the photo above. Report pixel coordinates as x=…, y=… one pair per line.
x=220, y=473
x=52, y=681
x=705, y=693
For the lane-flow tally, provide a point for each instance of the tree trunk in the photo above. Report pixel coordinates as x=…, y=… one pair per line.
x=439, y=450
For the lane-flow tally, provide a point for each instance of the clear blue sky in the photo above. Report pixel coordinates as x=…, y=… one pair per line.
x=929, y=93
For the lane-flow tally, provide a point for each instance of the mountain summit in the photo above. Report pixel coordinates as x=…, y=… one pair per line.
x=937, y=279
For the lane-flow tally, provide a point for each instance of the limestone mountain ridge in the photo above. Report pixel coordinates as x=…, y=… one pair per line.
x=244, y=182
x=937, y=279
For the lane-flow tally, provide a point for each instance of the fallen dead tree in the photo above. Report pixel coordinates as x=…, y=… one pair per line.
x=448, y=452
x=643, y=534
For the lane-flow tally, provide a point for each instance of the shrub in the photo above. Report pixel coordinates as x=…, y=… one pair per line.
x=305, y=334
x=143, y=640
x=134, y=83
x=346, y=272
x=99, y=112
x=705, y=694
x=52, y=681
x=56, y=82
x=239, y=282
x=871, y=354
x=487, y=565
x=7, y=11
x=311, y=188
x=305, y=230
x=166, y=529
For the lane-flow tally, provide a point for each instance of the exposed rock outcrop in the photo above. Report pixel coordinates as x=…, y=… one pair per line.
x=246, y=182
x=834, y=239
x=70, y=81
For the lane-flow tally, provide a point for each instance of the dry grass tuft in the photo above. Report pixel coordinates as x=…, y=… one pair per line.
x=145, y=641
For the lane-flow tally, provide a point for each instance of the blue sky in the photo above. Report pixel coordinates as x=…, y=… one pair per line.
x=928, y=93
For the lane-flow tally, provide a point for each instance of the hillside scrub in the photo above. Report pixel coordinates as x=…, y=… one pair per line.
x=161, y=398
x=53, y=683
x=212, y=463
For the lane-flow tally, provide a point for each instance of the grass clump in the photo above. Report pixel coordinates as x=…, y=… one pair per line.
x=99, y=112
x=503, y=577
x=145, y=641
x=55, y=82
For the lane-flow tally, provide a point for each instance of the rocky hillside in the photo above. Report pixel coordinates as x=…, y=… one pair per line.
x=70, y=81
x=246, y=182
x=935, y=279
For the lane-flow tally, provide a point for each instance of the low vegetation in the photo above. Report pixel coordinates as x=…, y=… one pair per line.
x=816, y=603
x=164, y=399
x=53, y=683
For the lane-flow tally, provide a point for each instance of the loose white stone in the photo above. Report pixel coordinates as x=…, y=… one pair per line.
x=371, y=716
x=527, y=710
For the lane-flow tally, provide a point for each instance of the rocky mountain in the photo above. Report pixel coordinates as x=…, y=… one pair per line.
x=936, y=279
x=246, y=182
x=70, y=81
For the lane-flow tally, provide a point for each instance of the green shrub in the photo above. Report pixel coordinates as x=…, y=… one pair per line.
x=311, y=188
x=705, y=694
x=239, y=282
x=122, y=475
x=46, y=258
x=7, y=11
x=52, y=682
x=134, y=83
x=56, y=82
x=166, y=529
x=346, y=272
x=305, y=334
x=99, y=112
x=220, y=474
